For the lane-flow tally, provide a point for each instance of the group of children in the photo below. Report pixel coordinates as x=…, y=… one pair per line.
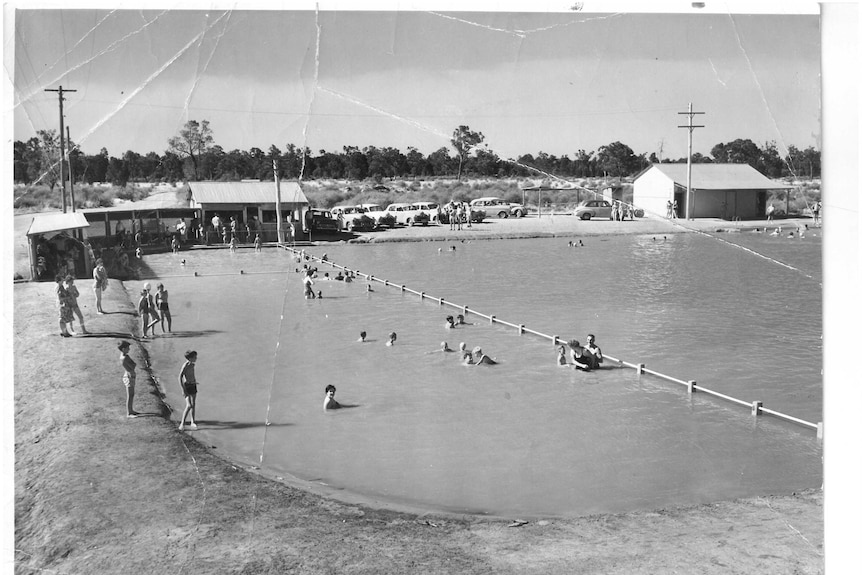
x=188, y=384
x=149, y=309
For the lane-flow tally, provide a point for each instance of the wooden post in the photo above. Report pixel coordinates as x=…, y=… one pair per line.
x=640, y=368
x=692, y=386
x=820, y=430
x=492, y=318
x=755, y=407
x=521, y=329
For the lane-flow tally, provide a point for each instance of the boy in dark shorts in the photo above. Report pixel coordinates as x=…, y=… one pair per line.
x=189, y=385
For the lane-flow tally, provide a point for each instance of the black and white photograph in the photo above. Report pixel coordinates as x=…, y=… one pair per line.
x=576, y=284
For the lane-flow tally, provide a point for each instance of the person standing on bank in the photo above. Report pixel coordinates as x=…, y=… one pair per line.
x=129, y=366
x=162, y=305
x=100, y=283
x=65, y=307
x=72, y=291
x=189, y=385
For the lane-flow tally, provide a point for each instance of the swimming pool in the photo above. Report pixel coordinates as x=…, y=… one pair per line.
x=524, y=437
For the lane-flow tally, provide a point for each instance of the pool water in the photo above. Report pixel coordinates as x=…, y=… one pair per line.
x=526, y=436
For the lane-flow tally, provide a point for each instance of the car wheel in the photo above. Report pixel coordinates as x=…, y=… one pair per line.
x=586, y=216
x=350, y=226
x=503, y=215
x=518, y=214
x=409, y=221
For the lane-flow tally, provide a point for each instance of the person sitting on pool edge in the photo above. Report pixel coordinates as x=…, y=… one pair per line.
x=480, y=358
x=329, y=401
x=579, y=358
x=594, y=352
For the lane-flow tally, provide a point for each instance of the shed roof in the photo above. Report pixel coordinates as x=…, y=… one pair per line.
x=169, y=200
x=245, y=193
x=718, y=177
x=45, y=223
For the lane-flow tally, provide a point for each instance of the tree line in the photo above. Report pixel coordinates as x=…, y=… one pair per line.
x=193, y=155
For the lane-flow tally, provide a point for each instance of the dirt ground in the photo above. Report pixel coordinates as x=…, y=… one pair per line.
x=96, y=492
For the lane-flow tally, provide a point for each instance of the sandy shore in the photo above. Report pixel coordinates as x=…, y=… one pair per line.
x=96, y=492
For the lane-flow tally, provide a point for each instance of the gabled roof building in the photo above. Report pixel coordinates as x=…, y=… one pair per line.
x=727, y=191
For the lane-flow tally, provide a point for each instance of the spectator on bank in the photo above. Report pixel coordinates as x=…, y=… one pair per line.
x=129, y=366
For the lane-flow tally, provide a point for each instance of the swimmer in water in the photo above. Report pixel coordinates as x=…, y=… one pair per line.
x=361, y=337
x=579, y=358
x=444, y=347
x=319, y=294
x=461, y=320
x=392, y=337
x=368, y=288
x=462, y=350
x=450, y=322
x=561, y=355
x=480, y=358
x=329, y=400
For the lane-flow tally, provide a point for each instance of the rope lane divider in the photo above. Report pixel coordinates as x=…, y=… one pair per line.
x=691, y=385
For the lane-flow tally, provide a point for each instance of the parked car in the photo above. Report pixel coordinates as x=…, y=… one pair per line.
x=589, y=209
x=353, y=218
x=500, y=208
x=407, y=214
x=317, y=220
x=379, y=215
x=432, y=209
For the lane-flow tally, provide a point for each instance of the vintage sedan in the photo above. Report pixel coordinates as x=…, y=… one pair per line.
x=496, y=207
x=353, y=218
x=589, y=209
x=407, y=214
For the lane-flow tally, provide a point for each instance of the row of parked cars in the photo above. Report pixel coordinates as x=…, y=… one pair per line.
x=364, y=217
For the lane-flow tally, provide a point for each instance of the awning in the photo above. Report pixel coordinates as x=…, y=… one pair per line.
x=46, y=223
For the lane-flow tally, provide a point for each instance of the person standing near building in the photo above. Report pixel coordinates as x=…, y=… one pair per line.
x=100, y=283
x=65, y=309
x=72, y=291
x=770, y=212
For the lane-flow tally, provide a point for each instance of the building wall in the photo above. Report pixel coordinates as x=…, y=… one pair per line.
x=652, y=190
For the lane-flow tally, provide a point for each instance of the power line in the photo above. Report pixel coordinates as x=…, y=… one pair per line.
x=62, y=145
x=691, y=127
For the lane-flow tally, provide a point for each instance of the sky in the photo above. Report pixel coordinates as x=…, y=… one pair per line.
x=553, y=81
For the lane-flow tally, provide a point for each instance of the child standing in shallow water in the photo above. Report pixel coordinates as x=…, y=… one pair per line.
x=189, y=385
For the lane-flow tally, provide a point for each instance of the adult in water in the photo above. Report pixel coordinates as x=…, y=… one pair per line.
x=480, y=358
x=329, y=399
x=594, y=352
x=579, y=358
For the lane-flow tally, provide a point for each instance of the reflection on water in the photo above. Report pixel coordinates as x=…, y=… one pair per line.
x=525, y=436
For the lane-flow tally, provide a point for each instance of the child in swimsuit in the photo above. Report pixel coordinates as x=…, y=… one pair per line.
x=189, y=385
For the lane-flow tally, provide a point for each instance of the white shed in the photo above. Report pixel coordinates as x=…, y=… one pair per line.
x=725, y=191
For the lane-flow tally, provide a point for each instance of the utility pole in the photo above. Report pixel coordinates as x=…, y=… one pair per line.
x=71, y=178
x=62, y=144
x=279, y=230
x=689, y=197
